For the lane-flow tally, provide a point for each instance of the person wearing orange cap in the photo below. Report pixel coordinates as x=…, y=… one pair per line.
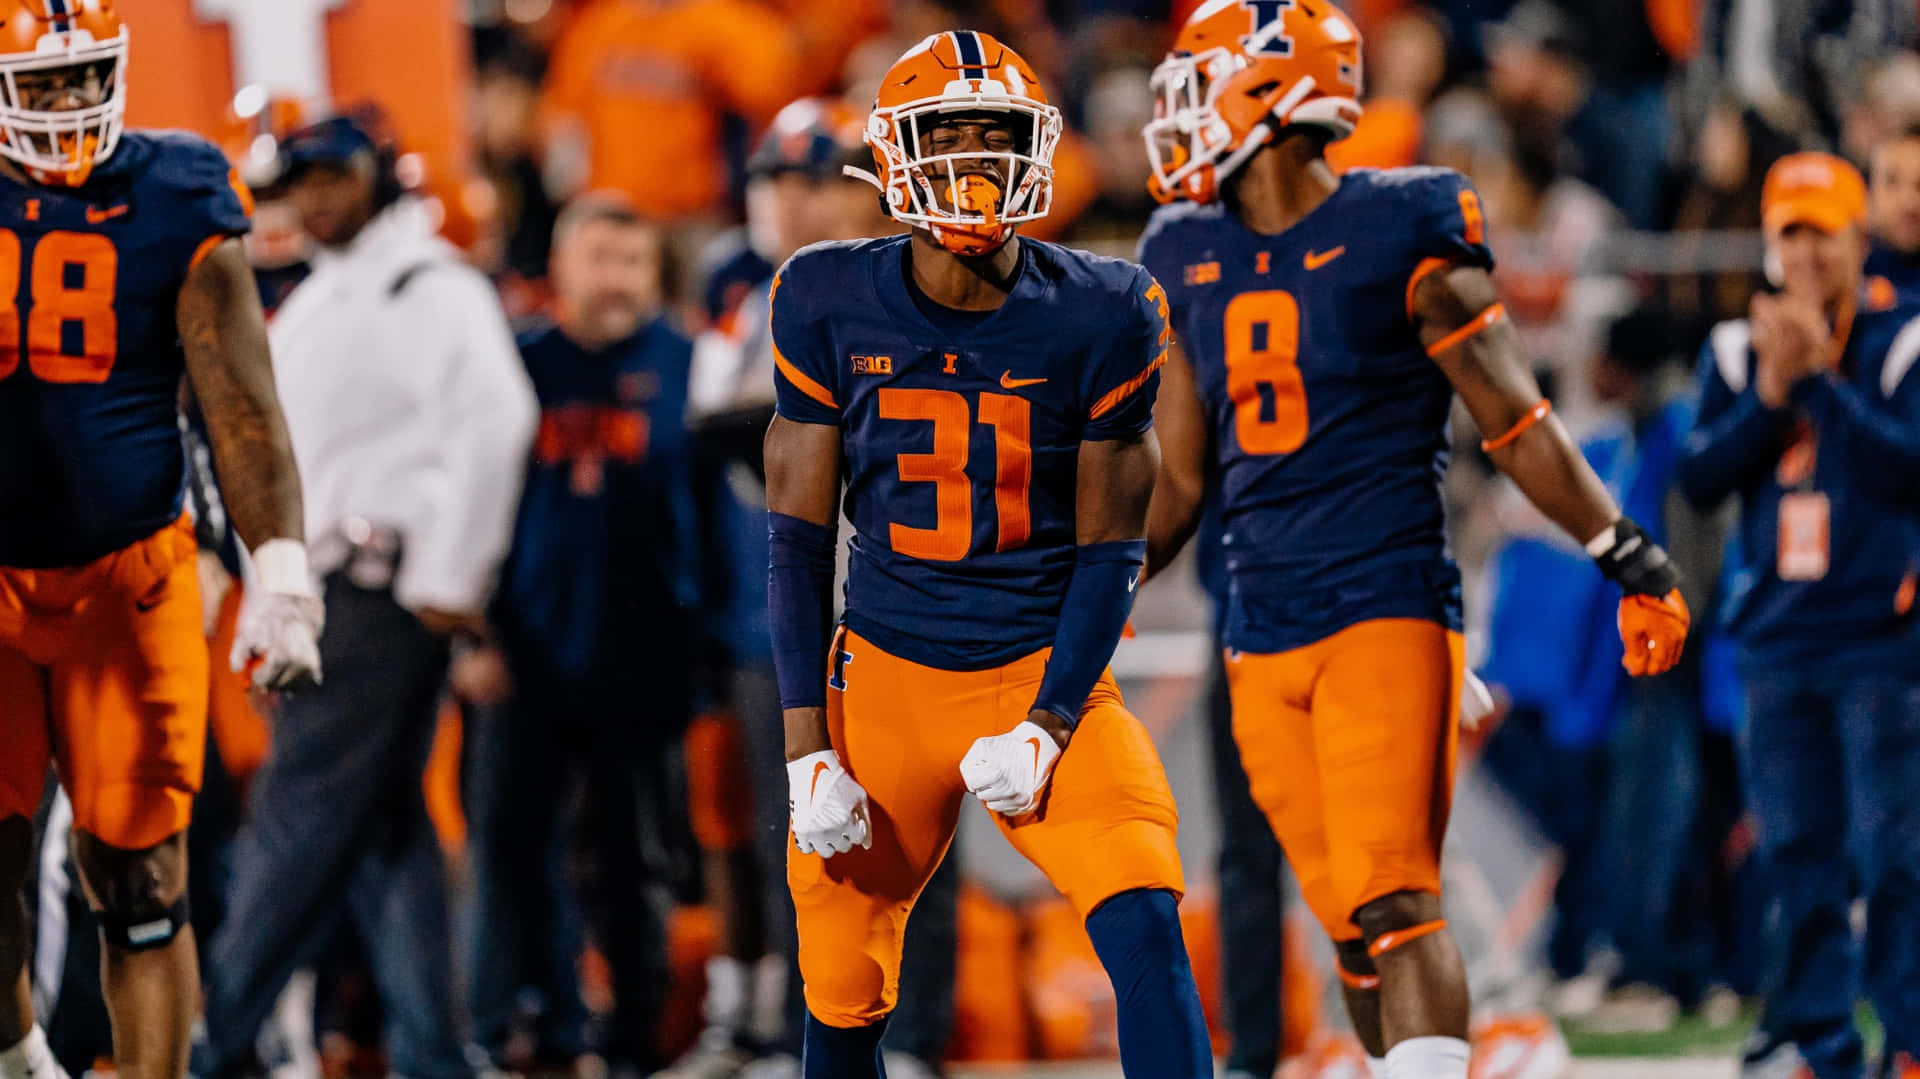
x=1810, y=415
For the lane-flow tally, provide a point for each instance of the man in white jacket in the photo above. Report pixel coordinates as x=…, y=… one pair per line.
x=411, y=417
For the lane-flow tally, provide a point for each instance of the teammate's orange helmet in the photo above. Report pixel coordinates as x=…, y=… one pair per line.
x=47, y=46
x=962, y=72
x=1239, y=73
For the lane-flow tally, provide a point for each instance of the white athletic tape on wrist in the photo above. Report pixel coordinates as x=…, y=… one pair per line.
x=280, y=565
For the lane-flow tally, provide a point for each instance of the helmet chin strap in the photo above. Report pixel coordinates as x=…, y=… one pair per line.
x=1264, y=130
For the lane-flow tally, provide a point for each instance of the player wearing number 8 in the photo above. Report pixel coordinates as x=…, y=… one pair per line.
x=121, y=271
x=1323, y=326
x=989, y=401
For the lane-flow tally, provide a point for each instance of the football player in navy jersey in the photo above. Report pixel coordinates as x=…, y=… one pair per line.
x=988, y=401
x=1326, y=324
x=121, y=269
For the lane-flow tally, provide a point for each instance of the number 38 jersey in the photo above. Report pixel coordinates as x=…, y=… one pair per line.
x=961, y=441
x=90, y=357
x=1329, y=419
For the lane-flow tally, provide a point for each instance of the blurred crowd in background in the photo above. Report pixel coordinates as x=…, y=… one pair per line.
x=1618, y=147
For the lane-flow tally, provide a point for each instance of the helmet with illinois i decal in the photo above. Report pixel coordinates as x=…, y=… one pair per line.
x=969, y=197
x=63, y=86
x=1239, y=73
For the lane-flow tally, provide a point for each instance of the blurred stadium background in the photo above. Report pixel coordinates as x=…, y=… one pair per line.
x=1618, y=146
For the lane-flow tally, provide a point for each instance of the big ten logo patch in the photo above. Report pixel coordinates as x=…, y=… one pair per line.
x=585, y=437
x=872, y=365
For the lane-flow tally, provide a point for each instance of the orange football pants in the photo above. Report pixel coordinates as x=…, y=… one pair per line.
x=1349, y=748
x=1106, y=825
x=103, y=672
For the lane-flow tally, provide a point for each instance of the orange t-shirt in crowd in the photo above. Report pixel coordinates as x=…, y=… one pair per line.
x=1387, y=137
x=648, y=82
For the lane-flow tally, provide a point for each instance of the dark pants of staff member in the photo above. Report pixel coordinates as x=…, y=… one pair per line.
x=1251, y=900
x=337, y=825
x=1831, y=761
x=604, y=744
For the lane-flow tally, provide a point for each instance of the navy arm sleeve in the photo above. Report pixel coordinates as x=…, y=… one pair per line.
x=1734, y=439
x=1885, y=431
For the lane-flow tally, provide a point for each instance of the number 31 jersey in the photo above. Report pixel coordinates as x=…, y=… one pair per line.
x=1329, y=419
x=962, y=439
x=90, y=356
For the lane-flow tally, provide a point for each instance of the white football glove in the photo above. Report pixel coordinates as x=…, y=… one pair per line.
x=827, y=807
x=1476, y=702
x=278, y=634
x=1009, y=772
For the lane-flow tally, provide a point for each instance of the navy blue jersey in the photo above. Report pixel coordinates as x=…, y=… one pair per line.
x=90, y=357
x=1851, y=441
x=961, y=444
x=602, y=569
x=1329, y=418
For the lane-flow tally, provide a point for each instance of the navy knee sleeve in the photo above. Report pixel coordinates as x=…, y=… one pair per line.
x=1163, y=1034
x=842, y=1052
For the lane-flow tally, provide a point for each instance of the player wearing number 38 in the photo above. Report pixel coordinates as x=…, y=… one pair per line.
x=989, y=400
x=121, y=270
x=1810, y=416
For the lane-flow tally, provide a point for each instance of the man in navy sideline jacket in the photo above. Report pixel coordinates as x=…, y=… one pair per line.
x=1810, y=414
x=596, y=629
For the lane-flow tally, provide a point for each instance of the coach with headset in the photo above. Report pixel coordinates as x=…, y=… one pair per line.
x=411, y=416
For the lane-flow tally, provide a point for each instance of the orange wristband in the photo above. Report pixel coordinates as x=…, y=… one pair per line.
x=1534, y=415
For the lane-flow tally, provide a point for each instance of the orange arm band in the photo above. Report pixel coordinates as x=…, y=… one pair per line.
x=1534, y=415
x=1479, y=324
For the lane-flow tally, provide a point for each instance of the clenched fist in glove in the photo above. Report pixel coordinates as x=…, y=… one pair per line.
x=1009, y=772
x=1653, y=618
x=828, y=809
x=277, y=640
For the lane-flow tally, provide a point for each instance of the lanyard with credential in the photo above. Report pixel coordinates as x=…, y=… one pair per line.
x=1805, y=541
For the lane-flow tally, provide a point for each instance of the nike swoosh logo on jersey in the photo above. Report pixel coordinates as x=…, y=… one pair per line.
x=814, y=786
x=94, y=217
x=1317, y=259
x=1008, y=382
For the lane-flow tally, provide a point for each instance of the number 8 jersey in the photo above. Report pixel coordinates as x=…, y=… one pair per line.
x=90, y=357
x=961, y=432
x=1329, y=419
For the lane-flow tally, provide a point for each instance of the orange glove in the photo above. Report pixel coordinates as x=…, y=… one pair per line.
x=1653, y=631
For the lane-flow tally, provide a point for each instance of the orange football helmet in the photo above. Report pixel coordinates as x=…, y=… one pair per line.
x=48, y=47
x=967, y=72
x=1239, y=73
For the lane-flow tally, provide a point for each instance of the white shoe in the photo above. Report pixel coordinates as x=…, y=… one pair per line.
x=715, y=1056
x=778, y=1066
x=1633, y=1009
x=1522, y=1046
x=907, y=1066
